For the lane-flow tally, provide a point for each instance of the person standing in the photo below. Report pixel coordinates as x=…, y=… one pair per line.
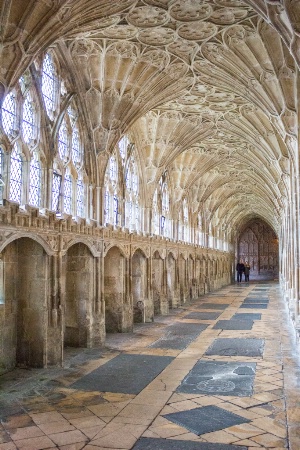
x=247, y=271
x=240, y=268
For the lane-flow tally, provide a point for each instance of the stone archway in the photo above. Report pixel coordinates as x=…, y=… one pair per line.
x=118, y=312
x=143, y=310
x=182, y=279
x=171, y=282
x=160, y=303
x=258, y=244
x=25, y=290
x=79, y=295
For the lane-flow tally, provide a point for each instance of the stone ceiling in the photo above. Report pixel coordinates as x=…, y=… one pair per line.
x=205, y=88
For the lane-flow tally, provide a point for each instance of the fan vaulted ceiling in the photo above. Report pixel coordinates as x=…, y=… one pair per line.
x=206, y=90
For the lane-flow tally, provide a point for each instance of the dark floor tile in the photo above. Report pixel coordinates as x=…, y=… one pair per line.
x=246, y=316
x=254, y=306
x=234, y=324
x=220, y=378
x=172, y=444
x=206, y=419
x=203, y=315
x=179, y=336
x=219, y=306
x=236, y=347
x=127, y=374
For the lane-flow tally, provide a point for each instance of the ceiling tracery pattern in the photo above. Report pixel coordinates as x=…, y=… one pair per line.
x=205, y=87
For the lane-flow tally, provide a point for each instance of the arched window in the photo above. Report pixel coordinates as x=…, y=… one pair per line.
x=133, y=212
x=15, y=181
x=9, y=113
x=123, y=148
x=155, y=213
x=68, y=191
x=80, y=197
x=35, y=182
x=111, y=196
x=165, y=221
x=63, y=141
x=49, y=83
x=28, y=119
x=76, y=147
x=1, y=175
x=56, y=189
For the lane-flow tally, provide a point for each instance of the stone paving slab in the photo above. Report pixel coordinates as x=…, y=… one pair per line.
x=179, y=336
x=220, y=378
x=206, y=419
x=171, y=444
x=236, y=347
x=233, y=324
x=127, y=374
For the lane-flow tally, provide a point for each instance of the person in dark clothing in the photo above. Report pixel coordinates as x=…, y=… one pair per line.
x=247, y=271
x=240, y=268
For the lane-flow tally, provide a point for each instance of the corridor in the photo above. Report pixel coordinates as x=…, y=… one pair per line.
x=219, y=373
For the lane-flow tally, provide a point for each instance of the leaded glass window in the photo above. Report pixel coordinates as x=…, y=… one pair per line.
x=116, y=210
x=9, y=113
x=35, y=182
x=113, y=169
x=76, y=147
x=68, y=194
x=15, y=188
x=106, y=207
x=56, y=187
x=63, y=141
x=1, y=175
x=123, y=147
x=28, y=119
x=49, y=84
x=80, y=198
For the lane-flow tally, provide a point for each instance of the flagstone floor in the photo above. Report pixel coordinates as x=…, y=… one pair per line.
x=219, y=373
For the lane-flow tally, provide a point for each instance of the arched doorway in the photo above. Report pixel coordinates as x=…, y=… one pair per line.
x=171, y=282
x=258, y=244
x=182, y=263
x=80, y=288
x=25, y=289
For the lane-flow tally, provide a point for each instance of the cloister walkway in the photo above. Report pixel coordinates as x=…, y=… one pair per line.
x=219, y=373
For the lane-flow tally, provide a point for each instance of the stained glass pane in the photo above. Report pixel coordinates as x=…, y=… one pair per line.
x=68, y=194
x=76, y=147
x=56, y=186
x=49, y=84
x=28, y=120
x=63, y=141
x=35, y=183
x=80, y=194
x=15, y=190
x=9, y=113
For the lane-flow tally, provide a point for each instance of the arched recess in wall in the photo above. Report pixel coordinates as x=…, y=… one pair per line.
x=158, y=285
x=24, y=299
x=142, y=307
x=171, y=281
x=118, y=311
x=258, y=244
x=80, y=294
